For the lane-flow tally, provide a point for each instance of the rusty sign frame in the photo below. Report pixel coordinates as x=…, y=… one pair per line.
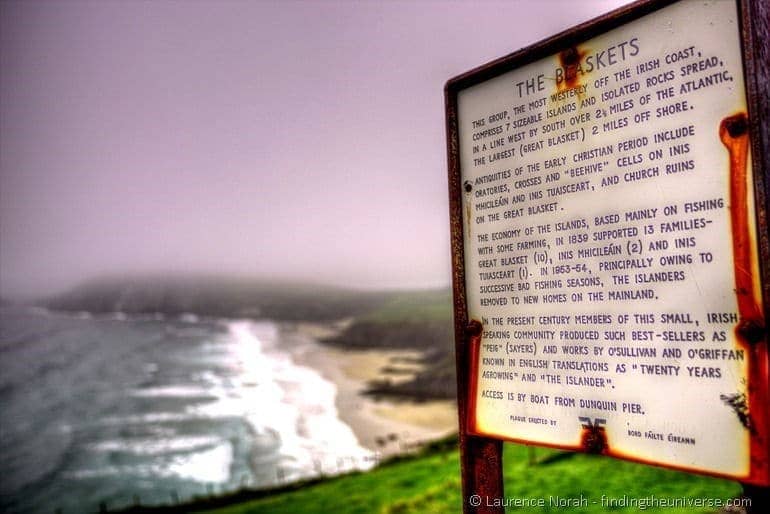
x=481, y=457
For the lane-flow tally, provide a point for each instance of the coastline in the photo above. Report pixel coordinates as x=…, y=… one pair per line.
x=386, y=427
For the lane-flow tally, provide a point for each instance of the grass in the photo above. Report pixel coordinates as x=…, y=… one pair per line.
x=430, y=483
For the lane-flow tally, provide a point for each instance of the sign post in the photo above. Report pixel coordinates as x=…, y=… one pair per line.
x=608, y=196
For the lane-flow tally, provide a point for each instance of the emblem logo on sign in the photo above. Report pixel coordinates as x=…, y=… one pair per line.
x=596, y=423
x=594, y=437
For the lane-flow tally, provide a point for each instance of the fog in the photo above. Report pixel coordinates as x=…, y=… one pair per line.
x=284, y=139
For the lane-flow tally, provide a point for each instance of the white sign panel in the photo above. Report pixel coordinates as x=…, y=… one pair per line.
x=601, y=244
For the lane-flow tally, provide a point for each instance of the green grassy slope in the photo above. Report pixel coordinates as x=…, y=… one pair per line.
x=431, y=484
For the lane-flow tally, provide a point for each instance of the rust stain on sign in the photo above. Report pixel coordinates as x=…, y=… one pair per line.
x=468, y=187
x=570, y=61
x=739, y=403
x=734, y=133
x=473, y=333
x=751, y=329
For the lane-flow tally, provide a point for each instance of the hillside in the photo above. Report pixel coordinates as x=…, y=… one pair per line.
x=419, y=320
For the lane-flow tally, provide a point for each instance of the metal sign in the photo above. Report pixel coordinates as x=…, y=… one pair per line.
x=608, y=220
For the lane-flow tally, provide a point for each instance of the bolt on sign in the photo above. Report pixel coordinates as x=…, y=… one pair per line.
x=610, y=238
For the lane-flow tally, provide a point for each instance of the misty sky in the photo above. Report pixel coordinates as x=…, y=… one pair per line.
x=300, y=139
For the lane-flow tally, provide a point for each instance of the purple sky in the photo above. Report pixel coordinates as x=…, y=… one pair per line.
x=301, y=139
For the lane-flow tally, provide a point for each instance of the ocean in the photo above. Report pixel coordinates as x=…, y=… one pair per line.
x=115, y=410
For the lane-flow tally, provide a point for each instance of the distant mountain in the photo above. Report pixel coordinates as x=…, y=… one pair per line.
x=217, y=296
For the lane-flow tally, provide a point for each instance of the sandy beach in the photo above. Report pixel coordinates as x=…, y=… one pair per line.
x=384, y=426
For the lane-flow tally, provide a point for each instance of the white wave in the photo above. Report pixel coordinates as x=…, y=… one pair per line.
x=155, y=446
x=170, y=391
x=294, y=401
x=188, y=317
x=147, y=418
x=208, y=466
x=212, y=465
